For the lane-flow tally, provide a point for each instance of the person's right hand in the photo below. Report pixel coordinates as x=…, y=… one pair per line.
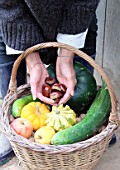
x=38, y=73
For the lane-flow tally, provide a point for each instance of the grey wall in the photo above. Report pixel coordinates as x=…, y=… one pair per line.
x=108, y=41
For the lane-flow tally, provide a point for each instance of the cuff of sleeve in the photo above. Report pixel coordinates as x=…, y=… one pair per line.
x=11, y=51
x=77, y=40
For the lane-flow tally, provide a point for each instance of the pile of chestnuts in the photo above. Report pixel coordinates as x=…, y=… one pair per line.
x=53, y=89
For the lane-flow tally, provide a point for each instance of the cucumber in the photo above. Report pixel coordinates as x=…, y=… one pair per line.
x=94, y=119
x=19, y=104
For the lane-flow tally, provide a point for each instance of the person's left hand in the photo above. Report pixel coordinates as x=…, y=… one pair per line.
x=65, y=73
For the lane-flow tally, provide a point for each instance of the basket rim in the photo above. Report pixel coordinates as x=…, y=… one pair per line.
x=55, y=149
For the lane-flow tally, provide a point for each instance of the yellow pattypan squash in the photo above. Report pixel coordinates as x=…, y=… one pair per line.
x=61, y=117
x=36, y=113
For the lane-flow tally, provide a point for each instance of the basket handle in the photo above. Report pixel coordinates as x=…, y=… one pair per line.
x=13, y=84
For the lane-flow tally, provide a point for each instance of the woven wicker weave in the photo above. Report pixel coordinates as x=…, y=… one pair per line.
x=79, y=156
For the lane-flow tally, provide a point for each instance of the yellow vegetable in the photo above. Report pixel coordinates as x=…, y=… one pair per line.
x=61, y=117
x=44, y=135
x=36, y=113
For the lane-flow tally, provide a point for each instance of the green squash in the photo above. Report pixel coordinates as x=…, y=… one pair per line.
x=85, y=89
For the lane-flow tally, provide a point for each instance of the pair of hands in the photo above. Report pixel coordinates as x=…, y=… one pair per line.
x=64, y=72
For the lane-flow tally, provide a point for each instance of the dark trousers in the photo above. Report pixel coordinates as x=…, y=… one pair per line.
x=6, y=64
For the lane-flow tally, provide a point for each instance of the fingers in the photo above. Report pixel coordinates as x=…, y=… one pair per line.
x=70, y=84
x=37, y=77
x=34, y=90
x=46, y=100
x=65, y=98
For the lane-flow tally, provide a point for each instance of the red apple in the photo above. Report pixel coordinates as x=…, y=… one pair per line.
x=22, y=127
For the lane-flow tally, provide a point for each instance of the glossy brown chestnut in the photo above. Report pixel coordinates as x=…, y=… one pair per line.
x=57, y=100
x=55, y=94
x=55, y=87
x=49, y=80
x=46, y=89
x=63, y=88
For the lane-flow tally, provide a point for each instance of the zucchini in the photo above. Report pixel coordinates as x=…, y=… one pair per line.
x=18, y=105
x=94, y=119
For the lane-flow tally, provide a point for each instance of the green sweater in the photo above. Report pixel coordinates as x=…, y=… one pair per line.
x=25, y=23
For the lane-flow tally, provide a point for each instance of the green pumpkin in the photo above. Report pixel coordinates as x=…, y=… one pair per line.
x=85, y=89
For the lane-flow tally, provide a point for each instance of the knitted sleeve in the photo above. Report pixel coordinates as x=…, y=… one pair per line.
x=77, y=15
x=18, y=26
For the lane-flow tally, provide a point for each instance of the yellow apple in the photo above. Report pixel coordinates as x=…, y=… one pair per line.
x=44, y=135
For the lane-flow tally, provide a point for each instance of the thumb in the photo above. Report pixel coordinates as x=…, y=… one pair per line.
x=34, y=91
x=70, y=89
x=72, y=92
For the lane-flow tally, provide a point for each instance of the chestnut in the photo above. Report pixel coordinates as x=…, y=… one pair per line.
x=63, y=88
x=53, y=90
x=56, y=86
x=55, y=94
x=49, y=80
x=46, y=89
x=57, y=100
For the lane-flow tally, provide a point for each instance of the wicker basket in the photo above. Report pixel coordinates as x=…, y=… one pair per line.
x=79, y=156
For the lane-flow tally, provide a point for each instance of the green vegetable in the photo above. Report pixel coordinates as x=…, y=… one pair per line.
x=94, y=119
x=19, y=103
x=85, y=89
